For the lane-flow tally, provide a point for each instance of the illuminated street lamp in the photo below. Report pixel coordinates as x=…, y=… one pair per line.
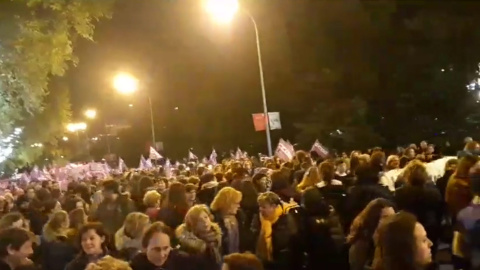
x=127, y=84
x=65, y=138
x=223, y=11
x=91, y=113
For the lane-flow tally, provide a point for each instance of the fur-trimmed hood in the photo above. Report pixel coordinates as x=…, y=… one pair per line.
x=123, y=242
x=191, y=243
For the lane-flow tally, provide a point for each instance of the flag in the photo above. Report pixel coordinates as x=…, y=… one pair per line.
x=154, y=154
x=318, y=148
x=168, y=169
x=35, y=173
x=121, y=165
x=148, y=164
x=238, y=154
x=191, y=156
x=213, y=157
x=141, y=166
x=284, y=151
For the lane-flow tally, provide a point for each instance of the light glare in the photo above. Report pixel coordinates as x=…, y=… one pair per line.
x=222, y=10
x=125, y=83
x=91, y=113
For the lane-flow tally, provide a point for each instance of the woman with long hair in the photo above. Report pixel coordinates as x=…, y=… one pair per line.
x=310, y=179
x=128, y=239
x=57, y=251
x=360, y=239
x=201, y=237
x=225, y=208
x=173, y=213
x=402, y=244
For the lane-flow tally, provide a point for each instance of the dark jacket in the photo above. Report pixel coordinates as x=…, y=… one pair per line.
x=323, y=233
x=56, y=254
x=176, y=260
x=286, y=253
x=171, y=216
x=359, y=196
x=112, y=215
x=425, y=202
x=208, y=191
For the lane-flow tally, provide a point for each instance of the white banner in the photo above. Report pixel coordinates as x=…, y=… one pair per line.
x=274, y=120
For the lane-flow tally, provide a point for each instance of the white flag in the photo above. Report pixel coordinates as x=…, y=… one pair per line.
x=154, y=154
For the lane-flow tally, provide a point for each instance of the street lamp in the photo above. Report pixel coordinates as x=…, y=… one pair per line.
x=127, y=84
x=223, y=11
x=91, y=113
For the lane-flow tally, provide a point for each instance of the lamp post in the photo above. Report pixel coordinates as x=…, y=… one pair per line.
x=223, y=11
x=127, y=84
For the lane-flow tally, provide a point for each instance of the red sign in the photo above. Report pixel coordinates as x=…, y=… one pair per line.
x=259, y=121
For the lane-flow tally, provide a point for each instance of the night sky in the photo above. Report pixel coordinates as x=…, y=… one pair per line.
x=182, y=59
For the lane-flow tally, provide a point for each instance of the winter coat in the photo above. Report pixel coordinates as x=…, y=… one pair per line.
x=81, y=261
x=112, y=215
x=171, y=216
x=457, y=195
x=198, y=249
x=56, y=251
x=286, y=251
x=425, y=202
x=358, y=197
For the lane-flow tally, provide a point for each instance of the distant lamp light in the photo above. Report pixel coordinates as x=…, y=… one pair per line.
x=65, y=138
x=91, y=113
x=222, y=11
x=130, y=105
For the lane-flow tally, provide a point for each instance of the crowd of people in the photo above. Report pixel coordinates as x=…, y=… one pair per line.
x=251, y=214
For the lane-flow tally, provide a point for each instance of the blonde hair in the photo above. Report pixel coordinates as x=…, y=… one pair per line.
x=193, y=215
x=310, y=178
x=151, y=198
x=134, y=224
x=55, y=226
x=225, y=198
x=109, y=263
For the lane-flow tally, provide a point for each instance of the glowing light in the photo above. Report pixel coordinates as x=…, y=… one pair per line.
x=125, y=83
x=91, y=113
x=37, y=145
x=222, y=10
x=65, y=138
x=74, y=127
x=130, y=105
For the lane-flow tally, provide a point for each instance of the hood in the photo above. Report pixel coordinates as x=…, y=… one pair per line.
x=191, y=243
x=123, y=242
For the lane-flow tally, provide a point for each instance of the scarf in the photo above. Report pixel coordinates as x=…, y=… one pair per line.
x=264, y=245
x=213, y=246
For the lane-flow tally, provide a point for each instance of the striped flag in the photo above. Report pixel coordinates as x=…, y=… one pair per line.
x=154, y=154
x=284, y=151
x=321, y=150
